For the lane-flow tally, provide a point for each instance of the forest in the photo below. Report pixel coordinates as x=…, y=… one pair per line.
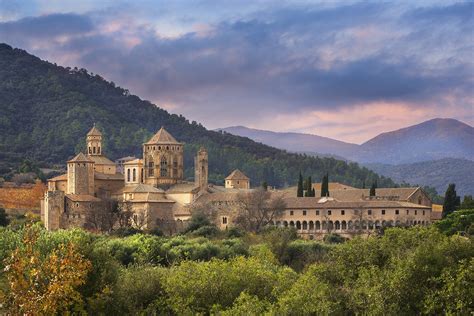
x=46, y=111
x=401, y=271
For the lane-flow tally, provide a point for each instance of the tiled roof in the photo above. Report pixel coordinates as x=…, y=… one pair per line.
x=134, y=162
x=358, y=194
x=141, y=188
x=322, y=203
x=101, y=160
x=183, y=188
x=237, y=175
x=80, y=158
x=94, y=132
x=162, y=137
x=332, y=186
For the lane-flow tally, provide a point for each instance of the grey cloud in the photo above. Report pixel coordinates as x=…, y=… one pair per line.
x=271, y=59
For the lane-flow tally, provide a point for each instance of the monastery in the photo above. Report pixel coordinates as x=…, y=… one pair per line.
x=153, y=190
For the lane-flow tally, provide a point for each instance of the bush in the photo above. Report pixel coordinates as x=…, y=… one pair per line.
x=333, y=238
x=4, y=220
x=206, y=231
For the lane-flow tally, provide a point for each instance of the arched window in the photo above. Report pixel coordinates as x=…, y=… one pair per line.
x=134, y=174
x=343, y=225
x=285, y=223
x=350, y=225
x=128, y=175
x=311, y=225
x=318, y=225
x=93, y=150
x=163, y=167
x=292, y=224
x=338, y=225
x=298, y=225
x=151, y=170
x=98, y=150
x=305, y=225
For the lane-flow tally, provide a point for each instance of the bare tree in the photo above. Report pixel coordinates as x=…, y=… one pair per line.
x=257, y=209
x=140, y=219
x=103, y=217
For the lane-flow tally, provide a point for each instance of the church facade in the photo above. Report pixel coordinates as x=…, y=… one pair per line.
x=153, y=191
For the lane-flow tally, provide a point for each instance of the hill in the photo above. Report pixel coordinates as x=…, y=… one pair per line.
x=430, y=140
x=437, y=173
x=45, y=111
x=296, y=142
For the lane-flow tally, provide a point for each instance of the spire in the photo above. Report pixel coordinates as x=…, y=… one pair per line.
x=94, y=131
x=162, y=137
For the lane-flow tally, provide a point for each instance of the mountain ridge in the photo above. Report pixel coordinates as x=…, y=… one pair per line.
x=429, y=140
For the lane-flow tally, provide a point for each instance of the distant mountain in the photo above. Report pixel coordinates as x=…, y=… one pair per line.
x=430, y=140
x=296, y=142
x=46, y=110
x=437, y=174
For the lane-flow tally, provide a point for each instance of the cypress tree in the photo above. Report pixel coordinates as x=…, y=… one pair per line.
x=451, y=200
x=309, y=186
x=325, y=186
x=265, y=185
x=299, y=192
x=313, y=193
x=373, y=187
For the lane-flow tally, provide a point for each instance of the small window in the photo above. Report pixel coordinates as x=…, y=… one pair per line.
x=304, y=213
x=317, y=212
x=343, y=212
x=369, y=212
x=423, y=212
x=416, y=212
x=383, y=212
x=224, y=220
x=397, y=212
x=408, y=212
x=77, y=204
x=329, y=212
x=291, y=213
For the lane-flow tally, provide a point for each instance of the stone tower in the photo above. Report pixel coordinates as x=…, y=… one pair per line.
x=162, y=159
x=80, y=175
x=94, y=142
x=201, y=170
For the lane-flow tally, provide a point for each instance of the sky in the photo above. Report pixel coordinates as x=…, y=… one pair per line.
x=341, y=69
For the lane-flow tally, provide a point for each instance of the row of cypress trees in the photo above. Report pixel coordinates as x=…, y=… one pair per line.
x=305, y=188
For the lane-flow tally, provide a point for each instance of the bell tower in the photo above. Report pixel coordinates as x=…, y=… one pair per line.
x=94, y=142
x=201, y=169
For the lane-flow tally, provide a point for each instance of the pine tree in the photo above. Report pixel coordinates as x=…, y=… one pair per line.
x=451, y=200
x=299, y=192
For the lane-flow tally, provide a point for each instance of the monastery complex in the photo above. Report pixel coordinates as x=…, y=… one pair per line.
x=154, y=191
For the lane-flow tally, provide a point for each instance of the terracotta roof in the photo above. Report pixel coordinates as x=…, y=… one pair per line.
x=94, y=132
x=332, y=186
x=358, y=194
x=82, y=198
x=183, y=188
x=162, y=137
x=237, y=175
x=104, y=176
x=134, y=162
x=141, y=188
x=101, y=160
x=80, y=158
x=322, y=203
x=62, y=177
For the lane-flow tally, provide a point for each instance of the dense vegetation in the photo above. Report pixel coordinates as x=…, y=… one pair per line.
x=46, y=110
x=435, y=173
x=402, y=272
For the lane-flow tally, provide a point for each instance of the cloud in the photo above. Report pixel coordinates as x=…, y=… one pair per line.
x=264, y=62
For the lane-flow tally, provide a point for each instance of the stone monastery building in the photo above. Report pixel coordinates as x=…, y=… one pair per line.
x=154, y=192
